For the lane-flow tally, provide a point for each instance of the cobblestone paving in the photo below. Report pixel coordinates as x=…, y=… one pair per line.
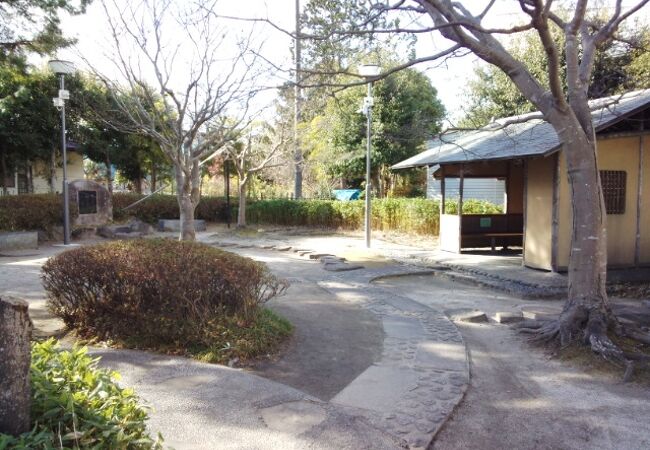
x=423, y=371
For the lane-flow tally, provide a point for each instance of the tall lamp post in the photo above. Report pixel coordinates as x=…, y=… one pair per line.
x=369, y=71
x=63, y=68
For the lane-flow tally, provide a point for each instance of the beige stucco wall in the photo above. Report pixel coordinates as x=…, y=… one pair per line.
x=539, y=217
x=613, y=154
x=40, y=170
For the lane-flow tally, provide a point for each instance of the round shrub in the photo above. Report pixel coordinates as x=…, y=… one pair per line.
x=154, y=291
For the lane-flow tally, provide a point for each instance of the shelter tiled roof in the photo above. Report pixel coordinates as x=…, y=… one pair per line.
x=519, y=136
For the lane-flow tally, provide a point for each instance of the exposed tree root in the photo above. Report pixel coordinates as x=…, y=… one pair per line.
x=591, y=327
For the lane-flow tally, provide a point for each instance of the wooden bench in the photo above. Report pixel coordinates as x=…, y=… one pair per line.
x=493, y=237
x=490, y=230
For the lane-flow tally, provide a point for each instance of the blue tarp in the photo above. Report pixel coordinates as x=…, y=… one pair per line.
x=347, y=194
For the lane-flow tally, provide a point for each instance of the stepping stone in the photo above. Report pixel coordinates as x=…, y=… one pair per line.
x=331, y=259
x=319, y=255
x=283, y=249
x=508, y=317
x=304, y=252
x=294, y=418
x=341, y=267
x=298, y=250
x=267, y=247
x=540, y=312
x=466, y=315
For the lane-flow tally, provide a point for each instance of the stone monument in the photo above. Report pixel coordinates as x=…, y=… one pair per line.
x=92, y=203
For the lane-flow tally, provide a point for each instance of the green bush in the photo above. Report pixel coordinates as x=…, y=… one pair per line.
x=156, y=207
x=154, y=291
x=407, y=215
x=473, y=207
x=77, y=405
x=31, y=212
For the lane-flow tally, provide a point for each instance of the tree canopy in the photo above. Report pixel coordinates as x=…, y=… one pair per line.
x=620, y=65
x=34, y=25
x=406, y=113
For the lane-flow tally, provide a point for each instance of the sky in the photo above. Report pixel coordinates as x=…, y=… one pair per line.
x=449, y=79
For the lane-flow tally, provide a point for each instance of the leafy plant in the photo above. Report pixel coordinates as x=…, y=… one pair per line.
x=77, y=405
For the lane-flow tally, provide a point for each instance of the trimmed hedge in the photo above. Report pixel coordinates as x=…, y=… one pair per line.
x=154, y=291
x=76, y=405
x=407, y=215
x=31, y=212
x=45, y=211
x=156, y=207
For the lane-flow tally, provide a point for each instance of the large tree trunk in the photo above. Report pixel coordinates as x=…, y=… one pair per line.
x=185, y=204
x=109, y=174
x=586, y=313
x=138, y=181
x=241, y=214
x=153, y=178
x=15, y=358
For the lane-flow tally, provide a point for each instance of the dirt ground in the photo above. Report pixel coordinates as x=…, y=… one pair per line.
x=520, y=397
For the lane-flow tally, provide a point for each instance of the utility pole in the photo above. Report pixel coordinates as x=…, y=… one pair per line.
x=297, y=153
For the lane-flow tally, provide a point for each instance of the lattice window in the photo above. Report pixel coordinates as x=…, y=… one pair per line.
x=613, y=182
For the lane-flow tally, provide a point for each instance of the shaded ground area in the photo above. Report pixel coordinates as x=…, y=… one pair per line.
x=521, y=398
x=333, y=341
x=208, y=406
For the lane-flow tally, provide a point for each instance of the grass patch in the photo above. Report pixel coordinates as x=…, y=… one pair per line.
x=590, y=363
x=230, y=338
x=234, y=339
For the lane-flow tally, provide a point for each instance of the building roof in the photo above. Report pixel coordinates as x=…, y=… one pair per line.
x=520, y=136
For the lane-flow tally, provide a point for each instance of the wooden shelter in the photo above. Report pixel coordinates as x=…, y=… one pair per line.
x=526, y=152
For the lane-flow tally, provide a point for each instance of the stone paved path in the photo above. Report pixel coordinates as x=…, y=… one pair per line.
x=423, y=371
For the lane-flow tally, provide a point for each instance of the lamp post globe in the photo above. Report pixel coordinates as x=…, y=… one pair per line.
x=63, y=68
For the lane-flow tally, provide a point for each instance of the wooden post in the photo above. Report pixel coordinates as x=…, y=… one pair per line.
x=15, y=358
x=639, y=202
x=442, y=189
x=523, y=239
x=460, y=190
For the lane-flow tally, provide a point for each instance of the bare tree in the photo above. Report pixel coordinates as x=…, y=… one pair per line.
x=587, y=316
x=256, y=151
x=193, y=83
